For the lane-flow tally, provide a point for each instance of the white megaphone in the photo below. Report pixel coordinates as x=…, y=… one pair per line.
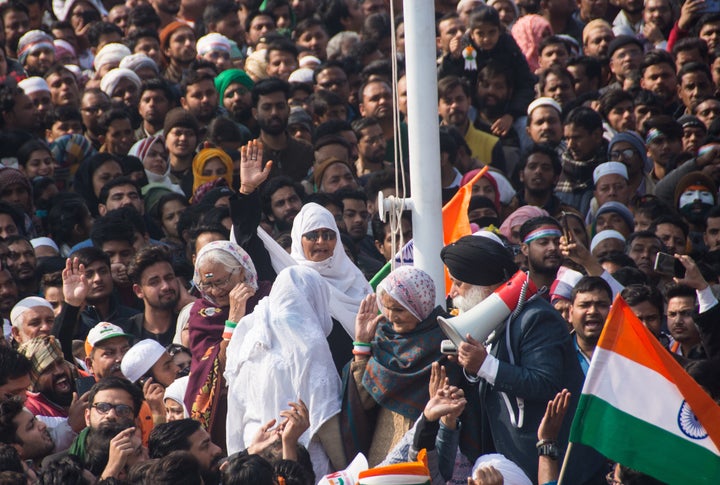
x=486, y=316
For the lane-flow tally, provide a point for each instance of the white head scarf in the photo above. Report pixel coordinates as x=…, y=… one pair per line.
x=348, y=286
x=284, y=341
x=176, y=392
x=511, y=472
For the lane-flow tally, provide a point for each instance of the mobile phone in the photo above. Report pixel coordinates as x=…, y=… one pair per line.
x=447, y=347
x=711, y=6
x=566, y=227
x=667, y=264
x=90, y=16
x=83, y=384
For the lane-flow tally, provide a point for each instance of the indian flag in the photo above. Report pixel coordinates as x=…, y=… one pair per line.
x=640, y=408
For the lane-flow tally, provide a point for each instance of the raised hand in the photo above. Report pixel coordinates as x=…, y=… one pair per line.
x=75, y=284
x=551, y=423
x=447, y=401
x=252, y=173
x=266, y=436
x=438, y=378
x=121, y=448
x=297, y=421
x=367, y=319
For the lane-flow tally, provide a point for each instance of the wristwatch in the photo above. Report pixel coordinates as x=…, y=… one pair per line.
x=548, y=448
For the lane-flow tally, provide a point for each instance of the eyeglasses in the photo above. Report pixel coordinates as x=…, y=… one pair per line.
x=209, y=285
x=626, y=154
x=121, y=410
x=325, y=234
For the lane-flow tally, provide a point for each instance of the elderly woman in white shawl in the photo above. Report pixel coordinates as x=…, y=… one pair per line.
x=279, y=354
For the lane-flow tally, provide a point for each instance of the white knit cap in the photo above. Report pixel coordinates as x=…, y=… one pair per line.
x=110, y=80
x=606, y=234
x=44, y=241
x=511, y=472
x=33, y=85
x=462, y=3
x=138, y=61
x=61, y=44
x=140, y=359
x=110, y=54
x=24, y=305
x=212, y=42
x=310, y=62
x=610, y=168
x=543, y=102
x=302, y=75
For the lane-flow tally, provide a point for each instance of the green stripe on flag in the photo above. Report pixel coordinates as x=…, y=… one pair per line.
x=642, y=446
x=380, y=275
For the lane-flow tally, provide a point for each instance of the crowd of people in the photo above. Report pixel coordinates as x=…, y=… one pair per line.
x=189, y=228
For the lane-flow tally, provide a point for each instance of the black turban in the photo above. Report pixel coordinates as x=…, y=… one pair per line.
x=478, y=260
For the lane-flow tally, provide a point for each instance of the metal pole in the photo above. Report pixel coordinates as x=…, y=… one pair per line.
x=424, y=139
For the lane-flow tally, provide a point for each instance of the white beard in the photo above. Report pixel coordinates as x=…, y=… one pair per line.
x=474, y=295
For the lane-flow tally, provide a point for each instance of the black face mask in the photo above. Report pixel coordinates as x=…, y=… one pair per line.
x=486, y=221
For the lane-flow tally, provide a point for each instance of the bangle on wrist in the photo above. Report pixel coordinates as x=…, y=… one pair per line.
x=229, y=329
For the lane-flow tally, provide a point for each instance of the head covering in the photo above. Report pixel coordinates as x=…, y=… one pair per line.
x=609, y=168
x=180, y=117
x=302, y=75
x=43, y=352
x=62, y=8
x=176, y=392
x=695, y=178
x=101, y=332
x=33, y=85
x=592, y=25
x=202, y=158
x=565, y=281
x=12, y=176
x=461, y=4
x=310, y=62
x=321, y=168
x=111, y=53
x=82, y=182
x=412, y=288
x=140, y=359
x=69, y=151
x=33, y=41
x=490, y=178
x=113, y=77
x=617, y=208
x=637, y=143
x=409, y=473
x=478, y=261
x=298, y=116
x=544, y=102
x=621, y=41
x=141, y=147
x=44, y=241
x=512, y=474
x=139, y=61
x=519, y=217
x=63, y=48
x=233, y=250
x=528, y=32
x=232, y=76
x=284, y=340
x=256, y=65
x=168, y=30
x=212, y=42
x=603, y=235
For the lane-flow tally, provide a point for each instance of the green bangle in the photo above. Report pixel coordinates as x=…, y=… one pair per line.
x=362, y=344
x=228, y=323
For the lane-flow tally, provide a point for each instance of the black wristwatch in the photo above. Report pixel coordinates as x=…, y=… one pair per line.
x=548, y=448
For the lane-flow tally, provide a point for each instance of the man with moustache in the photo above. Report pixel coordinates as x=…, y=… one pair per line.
x=21, y=429
x=31, y=317
x=281, y=200
x=21, y=262
x=291, y=157
x=154, y=282
x=8, y=298
x=590, y=302
x=234, y=87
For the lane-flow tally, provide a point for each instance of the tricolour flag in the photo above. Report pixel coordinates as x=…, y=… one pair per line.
x=640, y=408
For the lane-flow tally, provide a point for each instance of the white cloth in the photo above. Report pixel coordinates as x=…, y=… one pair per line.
x=511, y=472
x=279, y=354
x=348, y=286
x=176, y=392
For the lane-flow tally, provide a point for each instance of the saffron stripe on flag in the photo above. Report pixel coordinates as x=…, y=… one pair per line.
x=635, y=443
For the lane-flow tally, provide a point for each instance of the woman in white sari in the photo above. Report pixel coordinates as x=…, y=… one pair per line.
x=279, y=354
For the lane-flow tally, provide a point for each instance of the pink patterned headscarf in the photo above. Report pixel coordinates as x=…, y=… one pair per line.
x=518, y=217
x=528, y=32
x=413, y=288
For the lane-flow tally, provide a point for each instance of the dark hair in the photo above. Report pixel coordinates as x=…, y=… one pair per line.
x=243, y=469
x=557, y=71
x=324, y=199
x=706, y=374
x=348, y=193
x=194, y=77
x=203, y=228
x=8, y=91
x=588, y=284
x=376, y=27
x=680, y=291
x=10, y=460
x=168, y=437
x=324, y=99
x=268, y=86
x=611, y=98
x=177, y=468
x=483, y=14
x=215, y=11
x=116, y=182
x=16, y=216
x=629, y=275
x=132, y=40
x=691, y=43
x=531, y=224
x=110, y=229
x=128, y=214
x=223, y=130
x=281, y=44
x=379, y=228
x=448, y=145
x=156, y=212
x=666, y=124
x=332, y=13
x=159, y=84
x=62, y=114
x=365, y=84
x=448, y=84
x=108, y=117
x=293, y=472
x=114, y=382
x=272, y=186
x=544, y=150
x=89, y=255
x=692, y=67
x=585, y=118
x=66, y=211
x=360, y=124
x=145, y=258
x=553, y=40
x=655, y=57
x=593, y=67
x=98, y=29
x=673, y=219
x=494, y=69
x=9, y=410
x=66, y=471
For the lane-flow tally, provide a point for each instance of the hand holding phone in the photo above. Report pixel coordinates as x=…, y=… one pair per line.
x=667, y=264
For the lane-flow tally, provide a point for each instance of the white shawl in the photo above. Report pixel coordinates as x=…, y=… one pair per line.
x=279, y=354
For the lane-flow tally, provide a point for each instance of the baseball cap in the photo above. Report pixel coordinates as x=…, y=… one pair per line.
x=103, y=331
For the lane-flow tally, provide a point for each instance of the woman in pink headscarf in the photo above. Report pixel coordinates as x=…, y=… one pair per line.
x=528, y=32
x=486, y=186
x=511, y=227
